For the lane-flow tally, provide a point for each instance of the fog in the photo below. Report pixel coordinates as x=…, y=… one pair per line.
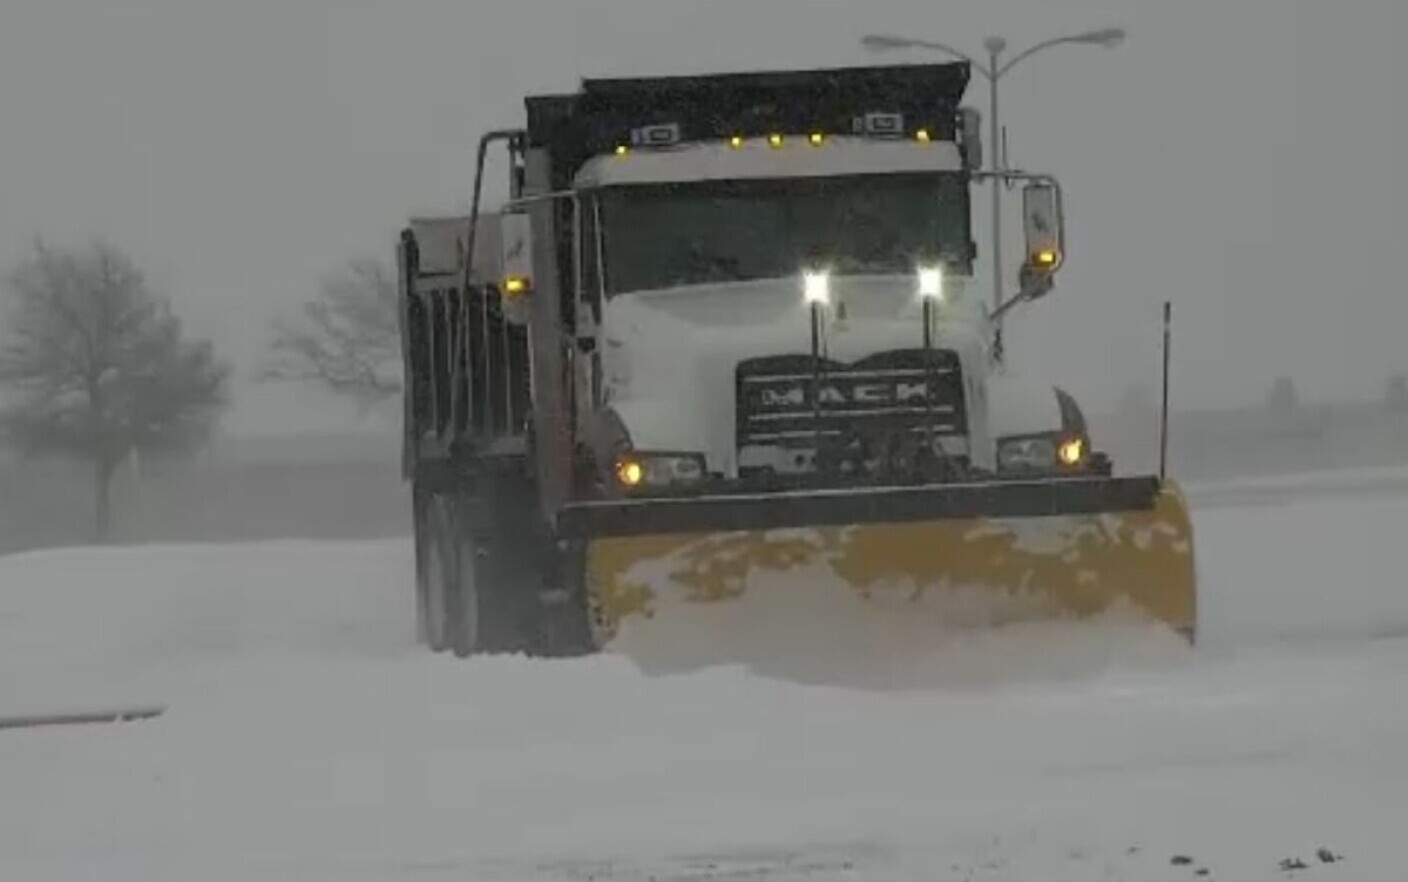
x=1237, y=157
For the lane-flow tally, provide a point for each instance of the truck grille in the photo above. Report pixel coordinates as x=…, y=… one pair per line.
x=885, y=393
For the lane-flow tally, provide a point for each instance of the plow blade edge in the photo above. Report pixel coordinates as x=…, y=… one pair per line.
x=994, y=553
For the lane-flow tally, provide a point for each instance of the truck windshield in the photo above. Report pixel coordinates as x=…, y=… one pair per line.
x=664, y=236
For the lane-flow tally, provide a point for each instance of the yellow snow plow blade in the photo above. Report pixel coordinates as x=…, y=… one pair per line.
x=997, y=554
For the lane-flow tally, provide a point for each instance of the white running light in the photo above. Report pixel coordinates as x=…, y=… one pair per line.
x=816, y=286
x=931, y=282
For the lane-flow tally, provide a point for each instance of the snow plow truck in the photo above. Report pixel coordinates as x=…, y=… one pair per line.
x=720, y=337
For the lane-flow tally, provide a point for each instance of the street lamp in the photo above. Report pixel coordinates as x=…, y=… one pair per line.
x=995, y=70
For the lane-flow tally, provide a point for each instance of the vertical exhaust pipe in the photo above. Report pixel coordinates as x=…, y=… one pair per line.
x=1163, y=405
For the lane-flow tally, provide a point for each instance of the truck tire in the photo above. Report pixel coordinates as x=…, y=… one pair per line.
x=473, y=620
x=437, y=572
x=564, y=630
x=482, y=564
x=564, y=618
x=563, y=626
x=444, y=614
x=464, y=597
x=490, y=577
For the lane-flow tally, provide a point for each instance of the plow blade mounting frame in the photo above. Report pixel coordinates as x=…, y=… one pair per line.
x=835, y=508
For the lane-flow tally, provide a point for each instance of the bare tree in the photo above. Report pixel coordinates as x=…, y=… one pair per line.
x=99, y=368
x=347, y=337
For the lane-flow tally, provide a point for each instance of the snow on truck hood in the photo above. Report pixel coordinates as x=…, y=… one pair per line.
x=669, y=357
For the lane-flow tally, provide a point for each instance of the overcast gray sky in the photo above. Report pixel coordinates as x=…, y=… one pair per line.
x=1240, y=157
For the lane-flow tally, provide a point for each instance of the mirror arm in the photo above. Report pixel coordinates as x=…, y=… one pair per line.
x=526, y=201
x=1034, y=286
x=1018, y=175
x=510, y=135
x=1006, y=307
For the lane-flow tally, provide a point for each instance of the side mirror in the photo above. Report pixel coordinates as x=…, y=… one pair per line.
x=516, y=265
x=1045, y=233
x=970, y=138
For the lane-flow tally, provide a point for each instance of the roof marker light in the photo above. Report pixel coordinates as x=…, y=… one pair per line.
x=775, y=141
x=922, y=136
x=816, y=138
x=878, y=124
x=736, y=142
x=657, y=135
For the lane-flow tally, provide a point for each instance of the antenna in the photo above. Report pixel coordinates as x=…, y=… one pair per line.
x=1163, y=407
x=1005, y=160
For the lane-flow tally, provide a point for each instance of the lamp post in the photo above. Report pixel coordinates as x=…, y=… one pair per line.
x=994, y=71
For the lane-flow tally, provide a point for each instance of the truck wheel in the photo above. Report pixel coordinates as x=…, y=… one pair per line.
x=422, y=603
x=479, y=560
x=564, y=621
x=464, y=604
x=481, y=612
x=422, y=568
x=438, y=573
x=454, y=598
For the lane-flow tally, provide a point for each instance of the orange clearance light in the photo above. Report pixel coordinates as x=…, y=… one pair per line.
x=816, y=139
x=1071, y=452
x=630, y=472
x=774, y=141
x=515, y=286
x=1048, y=258
x=736, y=142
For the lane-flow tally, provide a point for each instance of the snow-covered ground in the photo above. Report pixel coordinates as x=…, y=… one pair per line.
x=1391, y=481
x=307, y=738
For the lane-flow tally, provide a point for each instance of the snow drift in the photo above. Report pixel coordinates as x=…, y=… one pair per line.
x=307, y=737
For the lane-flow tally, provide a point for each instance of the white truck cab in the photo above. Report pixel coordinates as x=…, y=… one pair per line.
x=767, y=306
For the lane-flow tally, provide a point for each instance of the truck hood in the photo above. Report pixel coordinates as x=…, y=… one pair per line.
x=668, y=357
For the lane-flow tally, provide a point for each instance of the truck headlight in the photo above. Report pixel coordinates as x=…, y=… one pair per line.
x=1041, y=453
x=816, y=286
x=1022, y=454
x=639, y=469
x=931, y=282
